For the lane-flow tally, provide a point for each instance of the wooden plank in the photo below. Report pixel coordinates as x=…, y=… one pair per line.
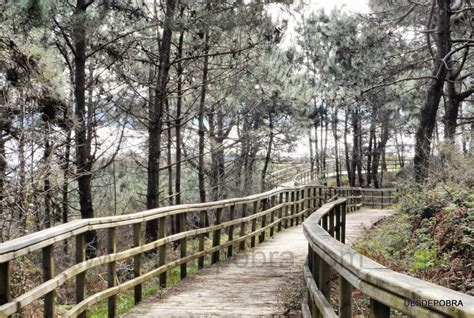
x=183, y=245
x=345, y=298
x=318, y=296
x=242, y=227
x=272, y=215
x=202, y=237
x=112, y=272
x=378, y=310
x=216, y=237
x=296, y=206
x=231, y=230
x=343, y=223
x=162, y=229
x=337, y=216
x=287, y=207
x=81, y=277
x=48, y=273
x=5, y=291
x=324, y=278
x=254, y=224
x=137, y=261
x=261, y=237
x=331, y=221
x=280, y=211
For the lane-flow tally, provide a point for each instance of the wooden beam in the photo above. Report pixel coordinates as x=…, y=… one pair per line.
x=378, y=310
x=48, y=273
x=81, y=277
x=112, y=271
x=137, y=261
x=216, y=237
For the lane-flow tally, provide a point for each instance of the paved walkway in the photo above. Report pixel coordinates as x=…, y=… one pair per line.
x=249, y=284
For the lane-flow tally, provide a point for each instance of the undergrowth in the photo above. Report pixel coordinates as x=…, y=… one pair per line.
x=432, y=238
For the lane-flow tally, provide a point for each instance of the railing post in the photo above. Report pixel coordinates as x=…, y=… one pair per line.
x=325, y=222
x=315, y=200
x=378, y=310
x=272, y=215
x=287, y=208
x=261, y=237
x=48, y=273
x=292, y=207
x=320, y=197
x=202, y=224
x=254, y=224
x=345, y=298
x=297, y=206
x=331, y=222
x=137, y=260
x=315, y=270
x=162, y=251
x=230, y=234
x=112, y=275
x=183, y=244
x=338, y=222
x=324, y=278
x=216, y=238
x=343, y=222
x=381, y=198
x=280, y=211
x=5, y=292
x=303, y=204
x=81, y=278
x=242, y=227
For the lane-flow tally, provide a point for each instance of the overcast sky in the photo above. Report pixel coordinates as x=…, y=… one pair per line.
x=359, y=6
x=280, y=12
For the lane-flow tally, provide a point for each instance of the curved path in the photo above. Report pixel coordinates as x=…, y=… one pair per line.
x=250, y=284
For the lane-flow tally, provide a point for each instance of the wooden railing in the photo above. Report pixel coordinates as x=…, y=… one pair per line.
x=304, y=174
x=246, y=221
x=328, y=255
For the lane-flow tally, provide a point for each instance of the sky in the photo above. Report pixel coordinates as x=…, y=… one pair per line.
x=358, y=6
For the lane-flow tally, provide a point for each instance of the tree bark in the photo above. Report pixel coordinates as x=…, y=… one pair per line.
x=156, y=121
x=268, y=156
x=179, y=102
x=429, y=110
x=202, y=102
x=83, y=148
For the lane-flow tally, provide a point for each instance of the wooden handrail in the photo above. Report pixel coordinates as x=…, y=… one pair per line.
x=272, y=211
x=386, y=288
x=260, y=215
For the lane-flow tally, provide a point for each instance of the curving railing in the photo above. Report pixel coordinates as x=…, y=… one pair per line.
x=247, y=221
x=305, y=174
x=327, y=254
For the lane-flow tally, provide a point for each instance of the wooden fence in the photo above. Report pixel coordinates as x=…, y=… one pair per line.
x=328, y=255
x=248, y=221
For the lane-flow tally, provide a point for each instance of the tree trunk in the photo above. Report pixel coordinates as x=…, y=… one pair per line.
x=202, y=102
x=47, y=176
x=316, y=148
x=268, y=156
x=156, y=121
x=346, y=148
x=179, y=101
x=311, y=155
x=83, y=148
x=334, y=131
x=355, y=146
x=429, y=110
x=372, y=145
